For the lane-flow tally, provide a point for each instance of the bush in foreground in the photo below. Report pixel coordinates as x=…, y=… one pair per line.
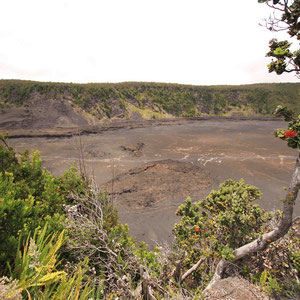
x=29, y=197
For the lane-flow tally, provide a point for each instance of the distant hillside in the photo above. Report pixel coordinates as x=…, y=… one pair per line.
x=86, y=103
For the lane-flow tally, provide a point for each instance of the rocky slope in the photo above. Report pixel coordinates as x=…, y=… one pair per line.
x=36, y=105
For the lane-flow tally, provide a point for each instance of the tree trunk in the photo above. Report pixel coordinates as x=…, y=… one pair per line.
x=146, y=288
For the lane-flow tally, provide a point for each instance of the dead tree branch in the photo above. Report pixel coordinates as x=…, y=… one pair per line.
x=177, y=272
x=193, y=268
x=146, y=286
x=89, y=237
x=4, y=139
x=79, y=146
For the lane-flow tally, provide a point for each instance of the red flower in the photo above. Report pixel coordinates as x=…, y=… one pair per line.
x=290, y=133
x=197, y=229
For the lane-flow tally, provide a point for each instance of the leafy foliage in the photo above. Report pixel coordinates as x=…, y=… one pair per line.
x=284, y=262
x=292, y=133
x=286, y=15
x=218, y=224
x=29, y=197
x=37, y=274
x=34, y=207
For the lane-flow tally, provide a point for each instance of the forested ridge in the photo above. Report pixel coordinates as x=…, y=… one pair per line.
x=155, y=100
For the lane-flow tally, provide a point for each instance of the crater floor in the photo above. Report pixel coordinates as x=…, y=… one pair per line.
x=156, y=167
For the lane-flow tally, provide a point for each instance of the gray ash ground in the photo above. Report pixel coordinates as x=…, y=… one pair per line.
x=135, y=150
x=157, y=181
x=210, y=151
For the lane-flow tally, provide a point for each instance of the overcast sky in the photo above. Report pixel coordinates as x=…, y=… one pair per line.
x=181, y=41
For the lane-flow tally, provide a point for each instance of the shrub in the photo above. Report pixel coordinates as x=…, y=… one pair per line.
x=217, y=224
x=29, y=197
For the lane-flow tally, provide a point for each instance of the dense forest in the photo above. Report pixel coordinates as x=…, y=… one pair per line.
x=154, y=100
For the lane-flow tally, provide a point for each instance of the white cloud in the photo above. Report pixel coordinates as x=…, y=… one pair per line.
x=191, y=41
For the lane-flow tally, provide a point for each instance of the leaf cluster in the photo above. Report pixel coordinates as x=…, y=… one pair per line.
x=29, y=197
x=286, y=18
x=293, y=126
x=216, y=225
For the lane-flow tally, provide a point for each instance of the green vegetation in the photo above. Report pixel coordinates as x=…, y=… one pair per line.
x=230, y=210
x=155, y=100
x=284, y=58
x=61, y=239
x=227, y=219
x=41, y=231
x=30, y=197
x=32, y=219
x=36, y=270
x=292, y=134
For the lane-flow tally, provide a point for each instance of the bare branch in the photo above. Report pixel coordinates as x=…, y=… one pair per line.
x=193, y=268
x=80, y=152
x=88, y=237
x=274, y=7
x=293, y=70
x=3, y=139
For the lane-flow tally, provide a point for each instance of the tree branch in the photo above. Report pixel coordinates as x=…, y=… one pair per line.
x=193, y=268
x=3, y=140
x=293, y=70
x=274, y=7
